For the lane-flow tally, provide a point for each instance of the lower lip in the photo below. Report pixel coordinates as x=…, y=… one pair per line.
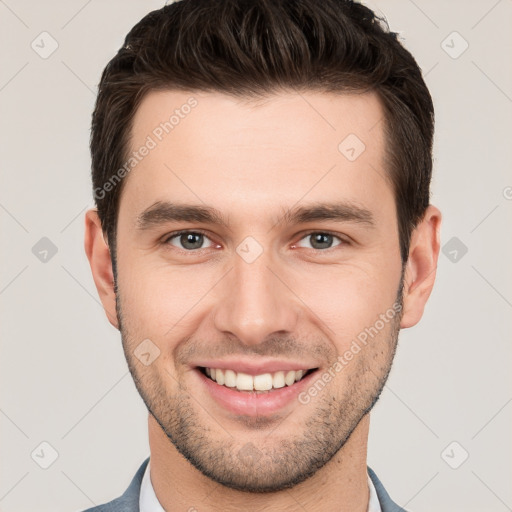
x=252, y=403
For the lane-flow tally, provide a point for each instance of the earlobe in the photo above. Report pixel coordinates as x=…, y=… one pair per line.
x=98, y=254
x=420, y=272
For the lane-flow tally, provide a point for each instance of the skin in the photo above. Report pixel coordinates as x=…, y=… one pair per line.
x=253, y=161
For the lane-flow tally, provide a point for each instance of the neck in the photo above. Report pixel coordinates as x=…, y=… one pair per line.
x=339, y=486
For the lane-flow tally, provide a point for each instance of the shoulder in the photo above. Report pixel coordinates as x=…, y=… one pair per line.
x=129, y=501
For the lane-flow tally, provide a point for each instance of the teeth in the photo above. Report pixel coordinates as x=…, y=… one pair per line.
x=244, y=382
x=290, y=378
x=219, y=377
x=278, y=380
x=229, y=378
x=263, y=382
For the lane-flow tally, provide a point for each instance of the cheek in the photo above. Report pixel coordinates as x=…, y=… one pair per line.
x=348, y=300
x=159, y=298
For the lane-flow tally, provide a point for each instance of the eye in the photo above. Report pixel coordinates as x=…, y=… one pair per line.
x=194, y=240
x=322, y=240
x=187, y=240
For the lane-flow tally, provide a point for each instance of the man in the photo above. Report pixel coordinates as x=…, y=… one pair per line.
x=263, y=231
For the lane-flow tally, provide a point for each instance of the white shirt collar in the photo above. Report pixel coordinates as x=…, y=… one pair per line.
x=373, y=504
x=148, y=502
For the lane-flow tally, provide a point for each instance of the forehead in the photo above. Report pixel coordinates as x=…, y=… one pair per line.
x=270, y=153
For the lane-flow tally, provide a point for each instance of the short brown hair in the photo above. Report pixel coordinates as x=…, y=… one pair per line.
x=251, y=48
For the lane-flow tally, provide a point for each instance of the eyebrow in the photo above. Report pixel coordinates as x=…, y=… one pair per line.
x=163, y=212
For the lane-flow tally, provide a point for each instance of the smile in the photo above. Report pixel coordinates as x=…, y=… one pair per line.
x=260, y=383
x=238, y=394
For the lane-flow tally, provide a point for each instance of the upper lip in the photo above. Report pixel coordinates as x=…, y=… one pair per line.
x=256, y=367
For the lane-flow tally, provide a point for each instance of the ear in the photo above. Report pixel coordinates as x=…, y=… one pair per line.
x=420, y=271
x=98, y=254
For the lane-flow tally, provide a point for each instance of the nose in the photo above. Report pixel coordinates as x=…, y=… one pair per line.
x=255, y=302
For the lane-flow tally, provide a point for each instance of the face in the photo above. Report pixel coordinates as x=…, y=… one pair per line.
x=298, y=264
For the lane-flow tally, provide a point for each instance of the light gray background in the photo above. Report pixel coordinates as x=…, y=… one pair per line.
x=64, y=380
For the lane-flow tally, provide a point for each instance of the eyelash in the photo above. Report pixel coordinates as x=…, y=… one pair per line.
x=175, y=234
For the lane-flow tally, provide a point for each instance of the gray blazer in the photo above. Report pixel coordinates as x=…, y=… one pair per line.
x=129, y=501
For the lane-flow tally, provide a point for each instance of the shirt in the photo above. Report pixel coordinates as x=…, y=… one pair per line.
x=148, y=502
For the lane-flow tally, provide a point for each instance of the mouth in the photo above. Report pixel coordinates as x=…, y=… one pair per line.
x=258, y=384
x=237, y=393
